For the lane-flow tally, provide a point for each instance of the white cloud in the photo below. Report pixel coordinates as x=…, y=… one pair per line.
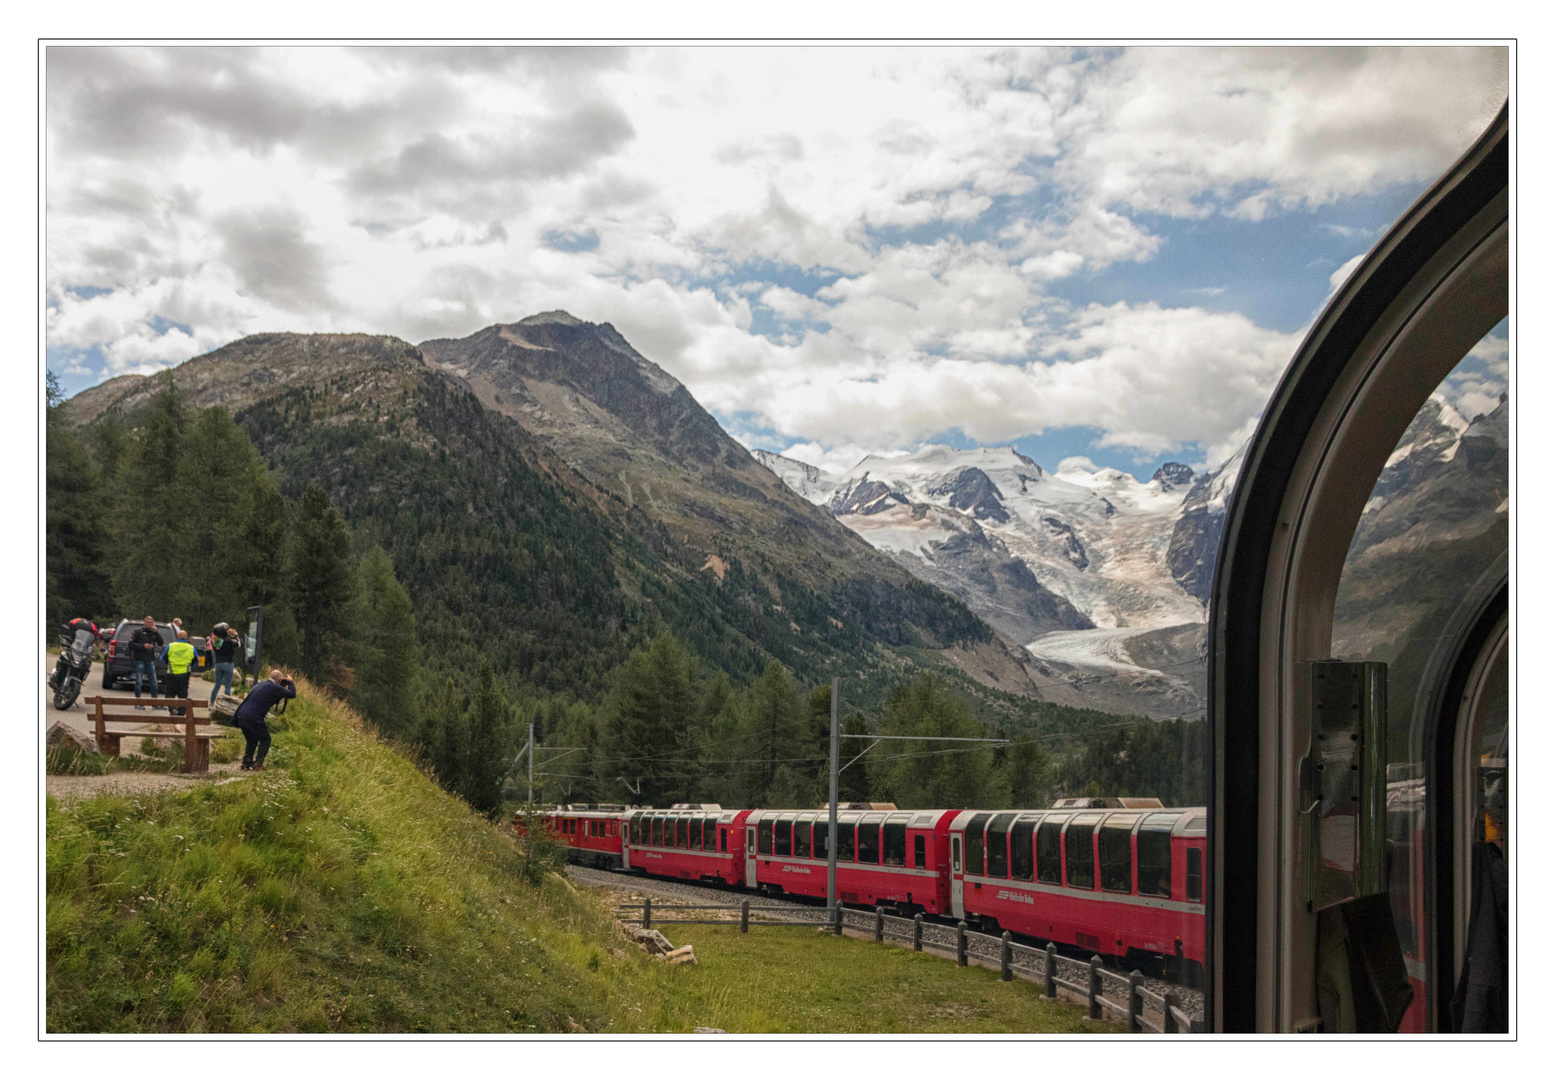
x=941, y=192
x=1341, y=275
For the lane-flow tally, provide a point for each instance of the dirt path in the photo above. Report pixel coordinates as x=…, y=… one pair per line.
x=136, y=783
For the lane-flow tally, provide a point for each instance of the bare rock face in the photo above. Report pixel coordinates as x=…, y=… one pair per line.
x=653, y=941
x=60, y=734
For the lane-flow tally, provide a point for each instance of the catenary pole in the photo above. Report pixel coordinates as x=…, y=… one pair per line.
x=531, y=762
x=831, y=828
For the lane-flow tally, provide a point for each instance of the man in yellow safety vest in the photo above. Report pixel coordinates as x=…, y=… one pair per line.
x=179, y=656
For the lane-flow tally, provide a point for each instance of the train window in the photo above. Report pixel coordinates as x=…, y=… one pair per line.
x=893, y=846
x=655, y=831
x=723, y=841
x=845, y=841
x=820, y=839
x=974, y=844
x=750, y=841
x=1079, y=859
x=869, y=842
x=1155, y=858
x=917, y=852
x=710, y=833
x=1117, y=861
x=1020, y=849
x=764, y=837
x=955, y=854
x=998, y=845
x=1196, y=874
x=783, y=836
x=801, y=839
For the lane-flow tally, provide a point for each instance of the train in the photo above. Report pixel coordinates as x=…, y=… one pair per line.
x=1119, y=878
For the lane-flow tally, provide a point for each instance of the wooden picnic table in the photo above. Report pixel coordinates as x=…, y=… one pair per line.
x=110, y=727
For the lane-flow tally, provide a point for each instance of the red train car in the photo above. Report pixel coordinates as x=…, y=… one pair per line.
x=1116, y=882
x=897, y=858
x=593, y=837
x=694, y=844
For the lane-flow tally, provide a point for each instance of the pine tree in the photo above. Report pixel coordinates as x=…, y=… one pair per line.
x=388, y=664
x=223, y=479
x=918, y=775
x=776, y=720
x=75, y=537
x=490, y=745
x=649, y=706
x=153, y=518
x=853, y=781
x=322, y=580
x=1028, y=774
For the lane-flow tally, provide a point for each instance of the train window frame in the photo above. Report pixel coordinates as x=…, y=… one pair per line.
x=1154, y=833
x=783, y=837
x=764, y=837
x=1075, y=846
x=1021, y=848
x=919, y=852
x=973, y=853
x=845, y=837
x=870, y=830
x=818, y=833
x=1051, y=827
x=750, y=841
x=1111, y=859
x=802, y=833
x=655, y=830
x=1193, y=880
x=997, y=852
x=893, y=842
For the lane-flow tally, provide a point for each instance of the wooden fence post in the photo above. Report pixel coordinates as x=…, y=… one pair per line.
x=961, y=944
x=1136, y=1001
x=647, y=913
x=1168, y=1021
x=1094, y=997
x=879, y=923
x=1004, y=958
x=836, y=920
x=745, y=916
x=1050, y=971
x=917, y=932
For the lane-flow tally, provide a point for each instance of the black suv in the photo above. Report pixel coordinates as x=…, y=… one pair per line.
x=119, y=665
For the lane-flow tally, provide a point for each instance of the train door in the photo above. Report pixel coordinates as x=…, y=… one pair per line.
x=957, y=908
x=750, y=856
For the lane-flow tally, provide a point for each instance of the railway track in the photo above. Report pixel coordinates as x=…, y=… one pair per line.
x=687, y=893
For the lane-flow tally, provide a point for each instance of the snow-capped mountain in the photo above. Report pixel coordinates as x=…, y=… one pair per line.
x=1124, y=626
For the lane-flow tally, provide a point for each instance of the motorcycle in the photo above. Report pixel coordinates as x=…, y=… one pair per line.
x=72, y=668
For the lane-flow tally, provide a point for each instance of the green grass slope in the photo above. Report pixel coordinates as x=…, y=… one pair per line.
x=343, y=891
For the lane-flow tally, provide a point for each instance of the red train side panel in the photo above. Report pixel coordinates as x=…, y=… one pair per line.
x=1112, y=882
x=884, y=858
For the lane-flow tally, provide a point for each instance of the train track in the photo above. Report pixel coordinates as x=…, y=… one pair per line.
x=687, y=893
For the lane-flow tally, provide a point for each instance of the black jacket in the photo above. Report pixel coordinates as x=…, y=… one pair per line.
x=261, y=698
x=225, y=651
x=145, y=644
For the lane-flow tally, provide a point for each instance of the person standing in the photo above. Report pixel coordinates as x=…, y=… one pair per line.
x=145, y=643
x=222, y=644
x=179, y=656
x=250, y=717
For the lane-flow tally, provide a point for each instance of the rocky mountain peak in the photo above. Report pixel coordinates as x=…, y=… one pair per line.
x=557, y=316
x=1173, y=475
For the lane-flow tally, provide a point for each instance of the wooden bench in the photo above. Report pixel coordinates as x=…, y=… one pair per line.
x=110, y=727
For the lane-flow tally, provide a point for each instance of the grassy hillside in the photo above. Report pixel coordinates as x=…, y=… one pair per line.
x=342, y=891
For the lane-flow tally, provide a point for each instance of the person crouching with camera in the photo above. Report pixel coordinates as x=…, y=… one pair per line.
x=250, y=717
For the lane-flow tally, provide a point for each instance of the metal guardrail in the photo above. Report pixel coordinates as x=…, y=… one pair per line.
x=1012, y=959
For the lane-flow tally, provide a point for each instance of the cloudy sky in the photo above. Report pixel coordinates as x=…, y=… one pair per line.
x=1105, y=253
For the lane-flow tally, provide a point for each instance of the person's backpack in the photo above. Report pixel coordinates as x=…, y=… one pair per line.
x=225, y=708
